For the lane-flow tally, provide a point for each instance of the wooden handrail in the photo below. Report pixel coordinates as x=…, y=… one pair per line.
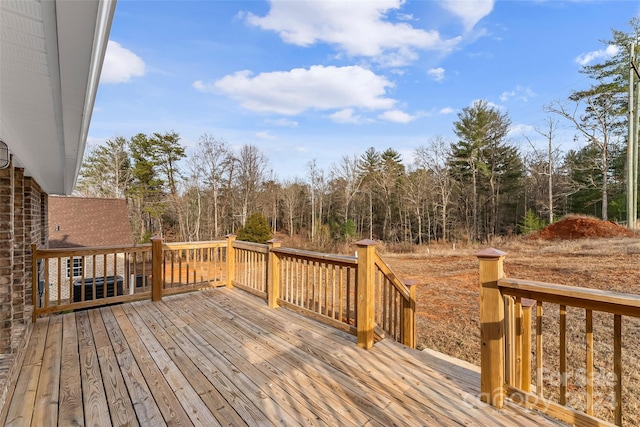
x=318, y=256
x=249, y=246
x=592, y=299
x=93, y=250
x=195, y=245
x=393, y=278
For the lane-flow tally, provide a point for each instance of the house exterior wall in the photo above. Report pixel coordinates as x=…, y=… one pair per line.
x=6, y=257
x=23, y=221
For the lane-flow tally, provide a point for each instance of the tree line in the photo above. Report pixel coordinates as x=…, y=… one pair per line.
x=480, y=185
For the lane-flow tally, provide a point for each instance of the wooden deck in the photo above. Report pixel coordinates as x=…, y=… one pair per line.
x=222, y=357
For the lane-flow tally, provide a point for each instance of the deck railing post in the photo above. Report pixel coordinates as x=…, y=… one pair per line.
x=231, y=260
x=156, y=268
x=491, y=327
x=409, y=316
x=273, y=274
x=365, y=289
x=34, y=282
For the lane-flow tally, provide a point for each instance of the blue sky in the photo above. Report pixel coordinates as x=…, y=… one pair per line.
x=305, y=80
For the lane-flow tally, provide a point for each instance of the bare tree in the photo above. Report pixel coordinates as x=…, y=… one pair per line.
x=292, y=200
x=214, y=160
x=597, y=123
x=347, y=174
x=251, y=164
x=434, y=159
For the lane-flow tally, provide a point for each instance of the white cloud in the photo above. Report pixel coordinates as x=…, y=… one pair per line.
x=266, y=135
x=609, y=52
x=507, y=94
x=347, y=116
x=397, y=116
x=446, y=110
x=437, y=73
x=470, y=12
x=357, y=28
x=199, y=85
x=317, y=88
x=283, y=122
x=520, y=129
x=522, y=93
x=120, y=64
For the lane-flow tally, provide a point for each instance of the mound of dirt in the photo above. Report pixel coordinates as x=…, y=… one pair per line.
x=571, y=228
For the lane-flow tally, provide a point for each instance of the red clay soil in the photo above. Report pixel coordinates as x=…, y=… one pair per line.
x=579, y=227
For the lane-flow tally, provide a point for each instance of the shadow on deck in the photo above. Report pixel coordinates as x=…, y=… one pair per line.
x=222, y=357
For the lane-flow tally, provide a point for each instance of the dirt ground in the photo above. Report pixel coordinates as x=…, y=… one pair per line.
x=448, y=302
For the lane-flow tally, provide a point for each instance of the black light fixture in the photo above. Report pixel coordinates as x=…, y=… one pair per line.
x=4, y=155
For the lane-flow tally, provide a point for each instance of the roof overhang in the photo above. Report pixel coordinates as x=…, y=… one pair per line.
x=51, y=54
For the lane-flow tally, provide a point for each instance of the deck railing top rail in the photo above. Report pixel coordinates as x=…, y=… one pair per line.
x=249, y=246
x=93, y=250
x=574, y=296
x=196, y=245
x=403, y=287
x=317, y=256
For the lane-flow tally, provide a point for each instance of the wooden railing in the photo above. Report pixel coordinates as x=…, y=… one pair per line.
x=321, y=286
x=193, y=266
x=75, y=278
x=250, y=267
x=358, y=294
x=507, y=334
x=395, y=307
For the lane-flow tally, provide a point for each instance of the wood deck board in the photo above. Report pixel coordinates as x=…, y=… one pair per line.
x=274, y=401
x=23, y=399
x=222, y=357
x=45, y=411
x=295, y=382
x=120, y=406
x=70, y=409
x=94, y=397
x=312, y=379
x=142, y=399
x=218, y=370
x=346, y=359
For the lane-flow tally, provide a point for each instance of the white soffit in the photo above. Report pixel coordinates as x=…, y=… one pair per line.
x=51, y=54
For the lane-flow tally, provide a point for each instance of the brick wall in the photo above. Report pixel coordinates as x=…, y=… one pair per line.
x=23, y=221
x=35, y=215
x=19, y=247
x=7, y=178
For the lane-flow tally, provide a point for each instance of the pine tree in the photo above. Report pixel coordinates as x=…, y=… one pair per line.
x=256, y=229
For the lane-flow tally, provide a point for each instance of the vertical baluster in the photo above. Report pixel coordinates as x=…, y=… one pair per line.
x=290, y=278
x=310, y=285
x=341, y=294
x=164, y=266
x=385, y=312
x=46, y=287
x=518, y=344
x=348, y=303
x=539, y=356
x=526, y=344
x=104, y=274
x=316, y=287
x=334, y=306
x=563, y=355
x=617, y=366
x=589, y=345
x=510, y=338
x=326, y=289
